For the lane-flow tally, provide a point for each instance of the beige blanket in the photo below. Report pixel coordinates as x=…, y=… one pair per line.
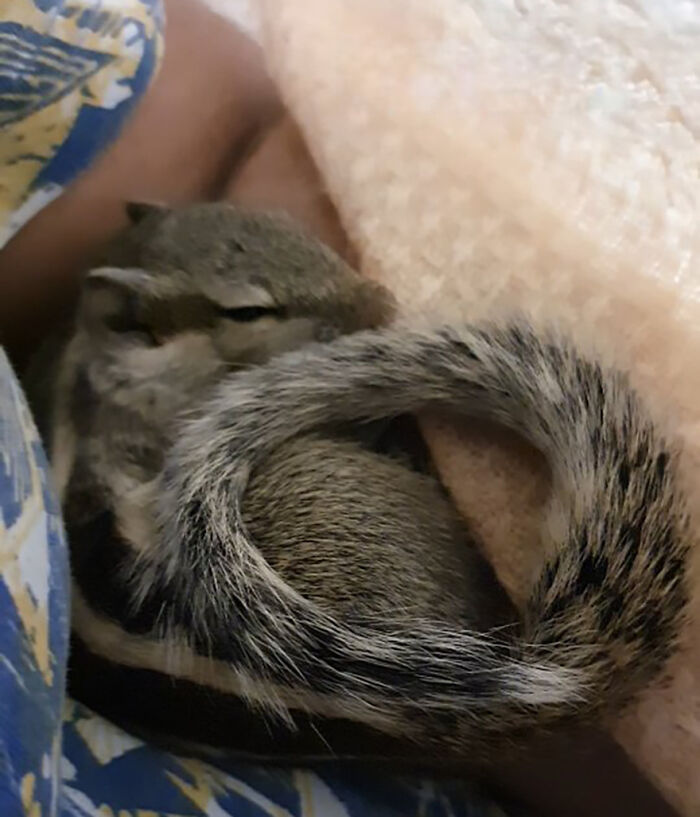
x=489, y=157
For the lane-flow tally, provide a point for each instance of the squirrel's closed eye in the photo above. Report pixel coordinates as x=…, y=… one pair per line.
x=248, y=314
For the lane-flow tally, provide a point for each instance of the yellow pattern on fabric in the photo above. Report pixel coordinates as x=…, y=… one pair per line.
x=207, y=782
x=24, y=565
x=29, y=804
x=29, y=143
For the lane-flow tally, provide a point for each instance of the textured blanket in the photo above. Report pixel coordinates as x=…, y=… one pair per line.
x=489, y=157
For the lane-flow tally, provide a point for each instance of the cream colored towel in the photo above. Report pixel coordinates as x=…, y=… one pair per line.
x=489, y=157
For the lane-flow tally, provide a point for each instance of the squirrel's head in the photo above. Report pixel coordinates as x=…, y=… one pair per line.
x=251, y=285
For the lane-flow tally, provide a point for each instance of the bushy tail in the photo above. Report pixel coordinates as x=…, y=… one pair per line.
x=606, y=609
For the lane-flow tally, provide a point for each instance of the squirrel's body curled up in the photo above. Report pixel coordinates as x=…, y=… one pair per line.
x=250, y=572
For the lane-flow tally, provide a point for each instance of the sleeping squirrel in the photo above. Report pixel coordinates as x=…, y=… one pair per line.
x=254, y=571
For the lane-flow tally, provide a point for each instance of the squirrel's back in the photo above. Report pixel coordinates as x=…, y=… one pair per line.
x=601, y=620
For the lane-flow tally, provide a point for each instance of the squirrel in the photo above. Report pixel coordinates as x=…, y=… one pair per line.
x=232, y=528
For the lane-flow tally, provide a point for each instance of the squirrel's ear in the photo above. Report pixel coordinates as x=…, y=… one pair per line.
x=109, y=297
x=137, y=211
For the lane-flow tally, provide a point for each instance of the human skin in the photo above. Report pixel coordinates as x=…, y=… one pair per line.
x=211, y=127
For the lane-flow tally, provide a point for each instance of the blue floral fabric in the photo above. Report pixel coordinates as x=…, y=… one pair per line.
x=70, y=73
x=33, y=615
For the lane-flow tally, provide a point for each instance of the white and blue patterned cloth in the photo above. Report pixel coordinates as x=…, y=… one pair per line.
x=70, y=72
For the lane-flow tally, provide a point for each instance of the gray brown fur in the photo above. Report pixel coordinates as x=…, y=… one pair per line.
x=345, y=526
x=602, y=618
